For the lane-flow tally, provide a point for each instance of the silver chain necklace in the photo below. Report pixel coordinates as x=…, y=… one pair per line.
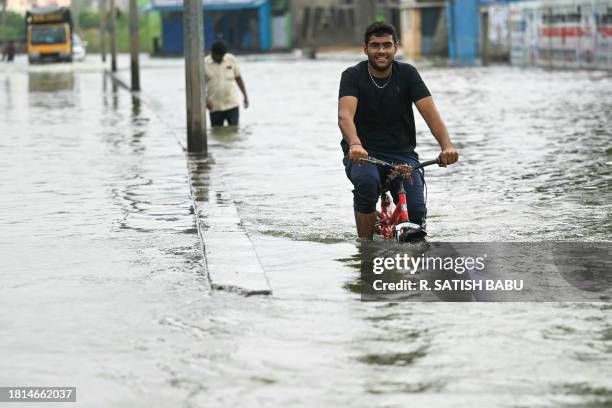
x=374, y=82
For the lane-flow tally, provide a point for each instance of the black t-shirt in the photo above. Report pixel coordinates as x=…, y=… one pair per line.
x=384, y=117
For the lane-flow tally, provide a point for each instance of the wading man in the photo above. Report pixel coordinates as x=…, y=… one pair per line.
x=376, y=119
x=222, y=75
x=9, y=52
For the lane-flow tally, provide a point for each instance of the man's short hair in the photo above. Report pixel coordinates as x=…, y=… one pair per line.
x=218, y=48
x=378, y=29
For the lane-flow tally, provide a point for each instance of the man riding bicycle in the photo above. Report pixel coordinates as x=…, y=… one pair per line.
x=376, y=119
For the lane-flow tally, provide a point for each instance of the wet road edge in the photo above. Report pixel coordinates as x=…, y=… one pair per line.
x=229, y=255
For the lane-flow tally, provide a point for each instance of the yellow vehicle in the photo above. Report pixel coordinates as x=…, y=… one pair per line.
x=49, y=35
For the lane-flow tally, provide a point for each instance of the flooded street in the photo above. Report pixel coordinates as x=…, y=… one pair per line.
x=104, y=286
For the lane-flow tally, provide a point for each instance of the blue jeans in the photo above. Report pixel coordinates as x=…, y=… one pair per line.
x=368, y=178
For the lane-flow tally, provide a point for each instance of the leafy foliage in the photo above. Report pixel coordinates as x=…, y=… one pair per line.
x=13, y=28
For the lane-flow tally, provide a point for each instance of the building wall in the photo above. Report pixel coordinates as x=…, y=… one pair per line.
x=18, y=6
x=244, y=29
x=331, y=22
x=562, y=34
x=496, y=36
x=464, y=30
x=172, y=33
x=424, y=29
x=280, y=22
x=281, y=32
x=49, y=3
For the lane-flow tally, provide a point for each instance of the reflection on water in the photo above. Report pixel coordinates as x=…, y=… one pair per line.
x=52, y=90
x=8, y=92
x=103, y=234
x=396, y=359
x=98, y=231
x=136, y=110
x=228, y=136
x=50, y=81
x=199, y=172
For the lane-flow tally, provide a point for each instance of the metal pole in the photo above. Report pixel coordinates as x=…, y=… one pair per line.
x=75, y=19
x=102, y=10
x=134, y=66
x=113, y=34
x=452, y=44
x=484, y=37
x=193, y=33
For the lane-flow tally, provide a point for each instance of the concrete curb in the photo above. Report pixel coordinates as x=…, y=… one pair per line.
x=231, y=261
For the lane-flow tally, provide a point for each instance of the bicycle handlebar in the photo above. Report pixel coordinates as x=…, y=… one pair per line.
x=378, y=162
x=426, y=163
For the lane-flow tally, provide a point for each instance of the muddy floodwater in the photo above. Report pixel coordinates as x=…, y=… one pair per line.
x=103, y=286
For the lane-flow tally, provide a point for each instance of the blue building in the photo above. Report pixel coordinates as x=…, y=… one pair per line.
x=446, y=28
x=245, y=25
x=464, y=28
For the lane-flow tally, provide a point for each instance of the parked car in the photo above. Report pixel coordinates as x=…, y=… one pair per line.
x=79, y=50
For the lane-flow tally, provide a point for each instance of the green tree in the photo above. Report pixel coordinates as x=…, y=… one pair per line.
x=89, y=19
x=12, y=27
x=148, y=24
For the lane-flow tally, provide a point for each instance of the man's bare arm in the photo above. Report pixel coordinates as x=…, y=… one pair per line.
x=240, y=83
x=347, y=106
x=429, y=112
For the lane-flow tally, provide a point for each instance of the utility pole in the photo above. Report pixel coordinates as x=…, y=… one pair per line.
x=484, y=40
x=102, y=10
x=75, y=18
x=134, y=66
x=193, y=33
x=113, y=34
